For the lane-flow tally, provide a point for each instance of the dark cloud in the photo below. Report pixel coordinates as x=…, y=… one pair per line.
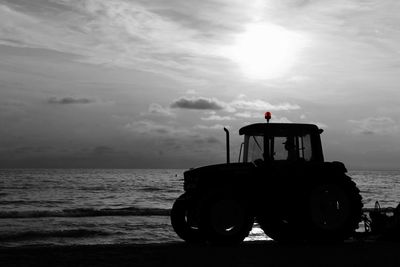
x=197, y=103
x=69, y=100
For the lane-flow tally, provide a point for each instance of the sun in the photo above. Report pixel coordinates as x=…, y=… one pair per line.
x=265, y=51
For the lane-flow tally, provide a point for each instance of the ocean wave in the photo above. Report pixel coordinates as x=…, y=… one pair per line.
x=74, y=233
x=151, y=189
x=83, y=212
x=21, y=202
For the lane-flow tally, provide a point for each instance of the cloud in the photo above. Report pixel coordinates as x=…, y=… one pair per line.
x=158, y=110
x=247, y=114
x=261, y=105
x=147, y=127
x=203, y=103
x=260, y=116
x=69, y=100
x=214, y=117
x=157, y=37
x=200, y=103
x=375, y=125
x=191, y=92
x=212, y=127
x=173, y=138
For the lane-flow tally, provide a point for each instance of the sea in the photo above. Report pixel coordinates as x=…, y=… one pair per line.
x=52, y=207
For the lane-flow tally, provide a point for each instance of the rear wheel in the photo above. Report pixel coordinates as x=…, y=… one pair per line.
x=183, y=221
x=325, y=209
x=225, y=219
x=334, y=209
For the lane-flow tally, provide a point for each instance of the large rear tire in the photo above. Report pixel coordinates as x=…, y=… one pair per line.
x=225, y=219
x=183, y=222
x=334, y=209
x=324, y=209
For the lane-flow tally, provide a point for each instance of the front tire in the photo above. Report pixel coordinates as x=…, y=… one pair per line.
x=182, y=220
x=225, y=219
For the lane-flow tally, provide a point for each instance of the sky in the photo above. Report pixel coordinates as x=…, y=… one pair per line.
x=151, y=84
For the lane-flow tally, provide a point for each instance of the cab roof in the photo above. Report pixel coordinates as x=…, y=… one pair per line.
x=279, y=129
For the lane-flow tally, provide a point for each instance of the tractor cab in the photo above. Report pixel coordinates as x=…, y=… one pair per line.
x=284, y=142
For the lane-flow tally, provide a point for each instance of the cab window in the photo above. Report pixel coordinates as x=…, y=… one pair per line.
x=292, y=148
x=256, y=147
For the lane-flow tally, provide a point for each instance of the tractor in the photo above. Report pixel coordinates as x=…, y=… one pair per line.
x=281, y=182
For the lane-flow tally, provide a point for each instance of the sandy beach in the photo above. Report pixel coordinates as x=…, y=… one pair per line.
x=260, y=253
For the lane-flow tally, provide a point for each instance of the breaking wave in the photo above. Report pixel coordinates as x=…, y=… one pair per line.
x=83, y=212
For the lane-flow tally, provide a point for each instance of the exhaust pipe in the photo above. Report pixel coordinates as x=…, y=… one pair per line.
x=227, y=145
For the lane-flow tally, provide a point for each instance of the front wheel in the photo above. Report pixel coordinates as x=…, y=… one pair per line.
x=183, y=222
x=225, y=219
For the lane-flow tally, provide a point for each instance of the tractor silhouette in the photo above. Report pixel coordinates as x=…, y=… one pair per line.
x=281, y=181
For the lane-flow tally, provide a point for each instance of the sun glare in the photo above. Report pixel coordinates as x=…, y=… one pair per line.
x=265, y=51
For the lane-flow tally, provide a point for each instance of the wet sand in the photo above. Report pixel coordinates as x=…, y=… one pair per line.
x=258, y=253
